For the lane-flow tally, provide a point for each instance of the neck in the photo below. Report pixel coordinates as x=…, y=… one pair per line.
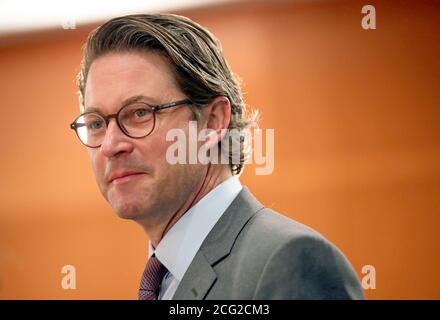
x=215, y=175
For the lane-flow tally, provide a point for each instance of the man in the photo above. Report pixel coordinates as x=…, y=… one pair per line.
x=143, y=76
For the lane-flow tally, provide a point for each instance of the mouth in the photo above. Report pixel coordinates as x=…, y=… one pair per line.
x=125, y=177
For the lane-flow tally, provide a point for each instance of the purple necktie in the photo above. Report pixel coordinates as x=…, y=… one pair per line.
x=151, y=279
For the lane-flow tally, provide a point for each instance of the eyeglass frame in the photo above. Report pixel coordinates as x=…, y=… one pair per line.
x=74, y=126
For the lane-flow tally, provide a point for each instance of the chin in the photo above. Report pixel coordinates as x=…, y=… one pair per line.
x=128, y=211
x=126, y=205
x=126, y=215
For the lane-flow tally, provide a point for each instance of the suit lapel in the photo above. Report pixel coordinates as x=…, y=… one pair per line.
x=200, y=275
x=197, y=280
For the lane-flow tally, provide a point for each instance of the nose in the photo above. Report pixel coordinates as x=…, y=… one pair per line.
x=115, y=141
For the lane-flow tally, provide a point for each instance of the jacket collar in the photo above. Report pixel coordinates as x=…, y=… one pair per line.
x=200, y=275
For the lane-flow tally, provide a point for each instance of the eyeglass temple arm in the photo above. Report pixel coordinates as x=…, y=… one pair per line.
x=172, y=104
x=74, y=125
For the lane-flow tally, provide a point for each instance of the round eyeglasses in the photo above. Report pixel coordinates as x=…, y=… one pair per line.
x=136, y=120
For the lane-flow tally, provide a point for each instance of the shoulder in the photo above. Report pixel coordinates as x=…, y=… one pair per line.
x=278, y=230
x=299, y=263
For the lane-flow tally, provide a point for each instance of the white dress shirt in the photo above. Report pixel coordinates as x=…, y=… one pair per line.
x=180, y=244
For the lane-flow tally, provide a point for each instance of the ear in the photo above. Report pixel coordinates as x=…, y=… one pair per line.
x=218, y=117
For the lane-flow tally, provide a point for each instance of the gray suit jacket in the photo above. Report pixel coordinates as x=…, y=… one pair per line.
x=255, y=253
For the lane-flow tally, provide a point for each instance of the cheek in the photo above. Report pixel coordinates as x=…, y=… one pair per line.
x=154, y=149
x=97, y=166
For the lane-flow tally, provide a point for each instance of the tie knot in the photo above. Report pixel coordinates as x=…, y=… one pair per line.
x=151, y=279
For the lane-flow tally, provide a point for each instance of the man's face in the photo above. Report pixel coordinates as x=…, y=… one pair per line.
x=150, y=187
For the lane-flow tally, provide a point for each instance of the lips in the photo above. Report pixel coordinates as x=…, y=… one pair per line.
x=123, y=176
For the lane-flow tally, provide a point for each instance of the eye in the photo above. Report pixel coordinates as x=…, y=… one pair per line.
x=141, y=112
x=95, y=125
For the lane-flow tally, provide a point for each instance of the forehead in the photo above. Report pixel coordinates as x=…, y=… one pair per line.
x=116, y=77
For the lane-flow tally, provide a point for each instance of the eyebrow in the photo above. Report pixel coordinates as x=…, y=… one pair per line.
x=138, y=98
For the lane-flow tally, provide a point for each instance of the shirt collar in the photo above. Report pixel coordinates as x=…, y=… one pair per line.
x=180, y=244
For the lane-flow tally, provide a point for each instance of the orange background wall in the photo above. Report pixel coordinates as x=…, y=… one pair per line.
x=357, y=151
